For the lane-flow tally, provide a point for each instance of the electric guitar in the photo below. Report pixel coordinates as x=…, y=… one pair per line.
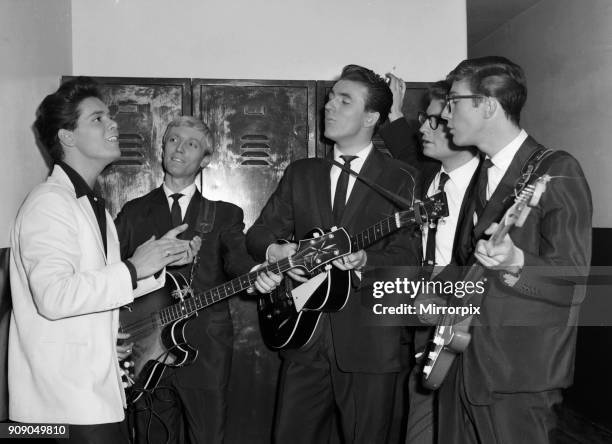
x=157, y=329
x=288, y=316
x=452, y=336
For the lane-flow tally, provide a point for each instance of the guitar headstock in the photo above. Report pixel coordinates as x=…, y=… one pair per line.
x=528, y=198
x=427, y=211
x=319, y=250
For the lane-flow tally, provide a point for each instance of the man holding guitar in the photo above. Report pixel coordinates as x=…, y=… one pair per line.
x=453, y=173
x=346, y=366
x=189, y=404
x=504, y=386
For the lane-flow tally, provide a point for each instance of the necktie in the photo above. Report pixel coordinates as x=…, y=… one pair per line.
x=430, y=248
x=175, y=211
x=481, y=186
x=341, y=187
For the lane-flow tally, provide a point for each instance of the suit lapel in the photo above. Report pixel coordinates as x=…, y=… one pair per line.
x=504, y=192
x=321, y=187
x=159, y=212
x=192, y=215
x=372, y=168
x=427, y=183
x=465, y=221
x=93, y=223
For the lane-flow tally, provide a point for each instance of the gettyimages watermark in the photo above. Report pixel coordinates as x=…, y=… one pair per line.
x=546, y=296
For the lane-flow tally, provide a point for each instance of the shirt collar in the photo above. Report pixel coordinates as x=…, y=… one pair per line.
x=188, y=191
x=361, y=154
x=81, y=188
x=462, y=175
x=504, y=156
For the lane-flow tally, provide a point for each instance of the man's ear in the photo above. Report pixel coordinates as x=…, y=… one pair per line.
x=371, y=119
x=206, y=160
x=491, y=105
x=66, y=137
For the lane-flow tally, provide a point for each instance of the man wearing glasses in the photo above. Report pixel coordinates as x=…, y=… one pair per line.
x=504, y=386
x=453, y=174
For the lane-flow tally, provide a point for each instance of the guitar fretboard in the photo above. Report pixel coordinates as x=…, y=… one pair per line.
x=203, y=299
x=379, y=230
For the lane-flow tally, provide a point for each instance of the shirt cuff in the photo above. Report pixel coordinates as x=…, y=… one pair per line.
x=133, y=275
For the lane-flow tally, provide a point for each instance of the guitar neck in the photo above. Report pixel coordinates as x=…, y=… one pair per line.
x=376, y=232
x=203, y=299
x=477, y=270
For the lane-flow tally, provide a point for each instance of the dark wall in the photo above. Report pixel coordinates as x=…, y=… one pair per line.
x=592, y=390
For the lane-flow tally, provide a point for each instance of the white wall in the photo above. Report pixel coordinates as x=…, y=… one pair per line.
x=35, y=49
x=267, y=39
x=565, y=47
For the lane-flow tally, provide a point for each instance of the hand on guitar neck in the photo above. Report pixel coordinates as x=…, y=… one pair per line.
x=348, y=262
x=352, y=261
x=499, y=254
x=276, y=252
x=266, y=280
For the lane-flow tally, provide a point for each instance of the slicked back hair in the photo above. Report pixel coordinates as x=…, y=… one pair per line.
x=379, y=97
x=60, y=110
x=498, y=77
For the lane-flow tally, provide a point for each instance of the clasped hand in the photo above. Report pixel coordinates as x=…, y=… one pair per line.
x=155, y=254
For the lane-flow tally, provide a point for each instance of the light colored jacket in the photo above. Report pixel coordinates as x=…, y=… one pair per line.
x=63, y=365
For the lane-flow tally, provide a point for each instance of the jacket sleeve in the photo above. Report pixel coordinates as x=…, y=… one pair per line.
x=565, y=227
x=276, y=220
x=48, y=239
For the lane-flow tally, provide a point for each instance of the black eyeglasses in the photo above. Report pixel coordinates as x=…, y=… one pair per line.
x=451, y=99
x=434, y=120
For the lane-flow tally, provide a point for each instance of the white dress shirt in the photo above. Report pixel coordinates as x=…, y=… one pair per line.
x=455, y=189
x=501, y=162
x=356, y=166
x=187, y=194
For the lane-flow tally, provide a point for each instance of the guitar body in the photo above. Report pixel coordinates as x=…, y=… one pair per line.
x=282, y=326
x=155, y=346
x=448, y=343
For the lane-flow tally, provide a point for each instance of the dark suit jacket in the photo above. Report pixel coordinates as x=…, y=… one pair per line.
x=223, y=256
x=539, y=356
x=301, y=202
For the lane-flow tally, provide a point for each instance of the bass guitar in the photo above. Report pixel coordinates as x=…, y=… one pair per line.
x=452, y=336
x=157, y=329
x=288, y=316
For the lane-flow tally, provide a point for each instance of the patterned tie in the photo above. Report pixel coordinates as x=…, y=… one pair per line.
x=341, y=187
x=175, y=211
x=430, y=248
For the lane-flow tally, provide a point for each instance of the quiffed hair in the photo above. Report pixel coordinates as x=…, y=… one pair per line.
x=60, y=110
x=379, y=98
x=438, y=90
x=498, y=77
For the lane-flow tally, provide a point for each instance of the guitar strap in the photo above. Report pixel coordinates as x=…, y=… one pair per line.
x=205, y=221
x=529, y=170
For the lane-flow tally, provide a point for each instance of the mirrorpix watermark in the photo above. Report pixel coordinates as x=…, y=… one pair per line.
x=402, y=296
x=539, y=296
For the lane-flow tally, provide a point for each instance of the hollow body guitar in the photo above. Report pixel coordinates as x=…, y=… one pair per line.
x=157, y=326
x=289, y=315
x=452, y=336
